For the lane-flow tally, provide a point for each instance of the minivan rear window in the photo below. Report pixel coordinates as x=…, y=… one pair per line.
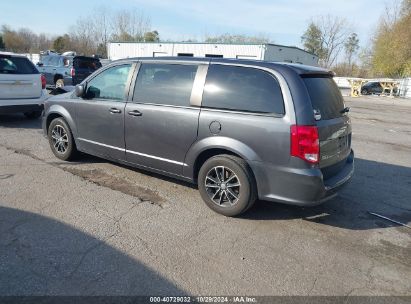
x=88, y=64
x=325, y=96
x=16, y=65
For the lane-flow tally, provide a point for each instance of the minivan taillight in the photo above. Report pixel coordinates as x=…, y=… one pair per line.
x=72, y=72
x=305, y=143
x=43, y=81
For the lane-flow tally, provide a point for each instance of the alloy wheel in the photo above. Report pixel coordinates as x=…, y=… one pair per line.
x=59, y=138
x=222, y=186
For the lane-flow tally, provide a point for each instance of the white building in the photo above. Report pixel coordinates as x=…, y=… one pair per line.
x=267, y=52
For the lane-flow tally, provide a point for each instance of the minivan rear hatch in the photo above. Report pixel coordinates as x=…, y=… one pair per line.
x=83, y=67
x=333, y=123
x=19, y=78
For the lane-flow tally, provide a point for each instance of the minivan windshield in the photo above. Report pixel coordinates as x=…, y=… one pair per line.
x=325, y=96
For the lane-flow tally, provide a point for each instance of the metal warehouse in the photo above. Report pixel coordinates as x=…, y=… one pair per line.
x=267, y=52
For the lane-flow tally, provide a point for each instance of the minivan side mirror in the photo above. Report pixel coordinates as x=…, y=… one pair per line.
x=40, y=64
x=79, y=90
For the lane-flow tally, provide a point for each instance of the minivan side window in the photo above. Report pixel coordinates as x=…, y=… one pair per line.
x=109, y=84
x=165, y=84
x=242, y=89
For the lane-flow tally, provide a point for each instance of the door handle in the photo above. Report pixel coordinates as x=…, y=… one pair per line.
x=135, y=113
x=114, y=110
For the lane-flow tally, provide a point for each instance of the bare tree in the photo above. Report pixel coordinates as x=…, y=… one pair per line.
x=23, y=40
x=140, y=25
x=334, y=34
x=327, y=35
x=82, y=36
x=88, y=36
x=43, y=42
x=392, y=12
x=102, y=28
x=129, y=25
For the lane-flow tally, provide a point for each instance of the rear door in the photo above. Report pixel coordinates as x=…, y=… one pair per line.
x=83, y=67
x=19, y=78
x=333, y=124
x=161, y=122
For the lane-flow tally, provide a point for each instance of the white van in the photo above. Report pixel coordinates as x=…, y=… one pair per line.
x=22, y=87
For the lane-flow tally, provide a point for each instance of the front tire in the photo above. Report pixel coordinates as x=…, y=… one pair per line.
x=227, y=185
x=364, y=92
x=61, y=140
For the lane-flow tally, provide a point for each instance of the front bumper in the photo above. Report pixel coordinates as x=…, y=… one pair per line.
x=303, y=187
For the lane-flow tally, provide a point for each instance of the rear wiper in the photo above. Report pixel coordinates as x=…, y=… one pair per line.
x=345, y=110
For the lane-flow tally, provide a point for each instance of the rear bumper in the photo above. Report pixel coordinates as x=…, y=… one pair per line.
x=303, y=187
x=8, y=106
x=21, y=109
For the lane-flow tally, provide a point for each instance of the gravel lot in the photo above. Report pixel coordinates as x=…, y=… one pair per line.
x=97, y=228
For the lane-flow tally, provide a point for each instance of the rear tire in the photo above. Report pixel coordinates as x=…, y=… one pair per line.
x=227, y=185
x=364, y=92
x=33, y=115
x=61, y=140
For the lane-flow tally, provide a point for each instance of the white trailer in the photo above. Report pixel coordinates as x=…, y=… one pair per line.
x=268, y=52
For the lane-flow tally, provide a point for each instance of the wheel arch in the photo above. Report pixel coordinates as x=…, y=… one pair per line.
x=57, y=111
x=212, y=146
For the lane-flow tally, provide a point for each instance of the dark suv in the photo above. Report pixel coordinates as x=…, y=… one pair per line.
x=61, y=70
x=374, y=87
x=241, y=130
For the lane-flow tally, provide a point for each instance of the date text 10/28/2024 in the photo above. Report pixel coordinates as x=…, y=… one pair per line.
x=203, y=299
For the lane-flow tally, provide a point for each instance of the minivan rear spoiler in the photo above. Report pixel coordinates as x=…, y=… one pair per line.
x=328, y=74
x=311, y=71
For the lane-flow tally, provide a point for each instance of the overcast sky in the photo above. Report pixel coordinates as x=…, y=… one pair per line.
x=282, y=21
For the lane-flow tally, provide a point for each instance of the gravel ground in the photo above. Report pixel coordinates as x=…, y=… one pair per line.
x=97, y=228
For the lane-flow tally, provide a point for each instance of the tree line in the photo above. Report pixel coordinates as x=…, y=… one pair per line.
x=88, y=36
x=387, y=54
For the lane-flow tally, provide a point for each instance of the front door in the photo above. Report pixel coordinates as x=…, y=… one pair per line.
x=160, y=123
x=100, y=114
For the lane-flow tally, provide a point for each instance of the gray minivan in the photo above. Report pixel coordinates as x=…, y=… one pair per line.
x=242, y=130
